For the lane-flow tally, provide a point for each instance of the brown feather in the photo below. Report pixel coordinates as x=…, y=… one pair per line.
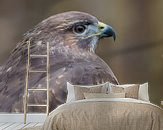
x=68, y=62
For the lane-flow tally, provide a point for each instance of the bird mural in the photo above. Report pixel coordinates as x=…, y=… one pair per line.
x=73, y=37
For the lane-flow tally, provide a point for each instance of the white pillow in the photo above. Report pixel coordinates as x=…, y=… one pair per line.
x=71, y=93
x=143, y=90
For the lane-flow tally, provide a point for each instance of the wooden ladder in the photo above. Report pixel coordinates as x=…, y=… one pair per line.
x=26, y=105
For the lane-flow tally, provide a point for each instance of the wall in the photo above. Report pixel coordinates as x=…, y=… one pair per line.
x=135, y=57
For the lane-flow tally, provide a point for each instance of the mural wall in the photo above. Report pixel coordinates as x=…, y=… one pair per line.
x=135, y=57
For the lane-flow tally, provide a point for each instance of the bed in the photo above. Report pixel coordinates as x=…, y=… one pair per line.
x=105, y=114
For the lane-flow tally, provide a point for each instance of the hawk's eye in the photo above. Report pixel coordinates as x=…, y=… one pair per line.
x=79, y=29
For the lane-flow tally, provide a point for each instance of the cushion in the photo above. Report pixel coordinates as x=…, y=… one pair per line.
x=131, y=90
x=76, y=92
x=79, y=91
x=143, y=92
x=103, y=95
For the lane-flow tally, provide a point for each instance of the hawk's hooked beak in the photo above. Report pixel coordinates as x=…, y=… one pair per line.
x=106, y=30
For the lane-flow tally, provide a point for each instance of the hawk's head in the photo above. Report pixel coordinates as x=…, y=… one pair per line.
x=72, y=29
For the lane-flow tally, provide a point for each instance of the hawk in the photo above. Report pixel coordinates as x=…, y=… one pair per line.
x=73, y=37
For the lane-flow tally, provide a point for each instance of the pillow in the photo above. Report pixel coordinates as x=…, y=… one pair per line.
x=103, y=95
x=79, y=91
x=131, y=91
x=142, y=91
x=74, y=90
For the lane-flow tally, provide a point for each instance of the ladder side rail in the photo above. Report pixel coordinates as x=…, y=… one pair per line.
x=47, y=109
x=27, y=83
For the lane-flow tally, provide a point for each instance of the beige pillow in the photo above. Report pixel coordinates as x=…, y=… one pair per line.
x=143, y=90
x=131, y=91
x=79, y=91
x=103, y=95
x=71, y=90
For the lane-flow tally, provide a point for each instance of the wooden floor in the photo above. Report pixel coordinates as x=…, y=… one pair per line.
x=17, y=126
x=13, y=121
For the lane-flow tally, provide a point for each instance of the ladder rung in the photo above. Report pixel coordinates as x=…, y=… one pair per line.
x=38, y=55
x=37, y=89
x=36, y=105
x=37, y=71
